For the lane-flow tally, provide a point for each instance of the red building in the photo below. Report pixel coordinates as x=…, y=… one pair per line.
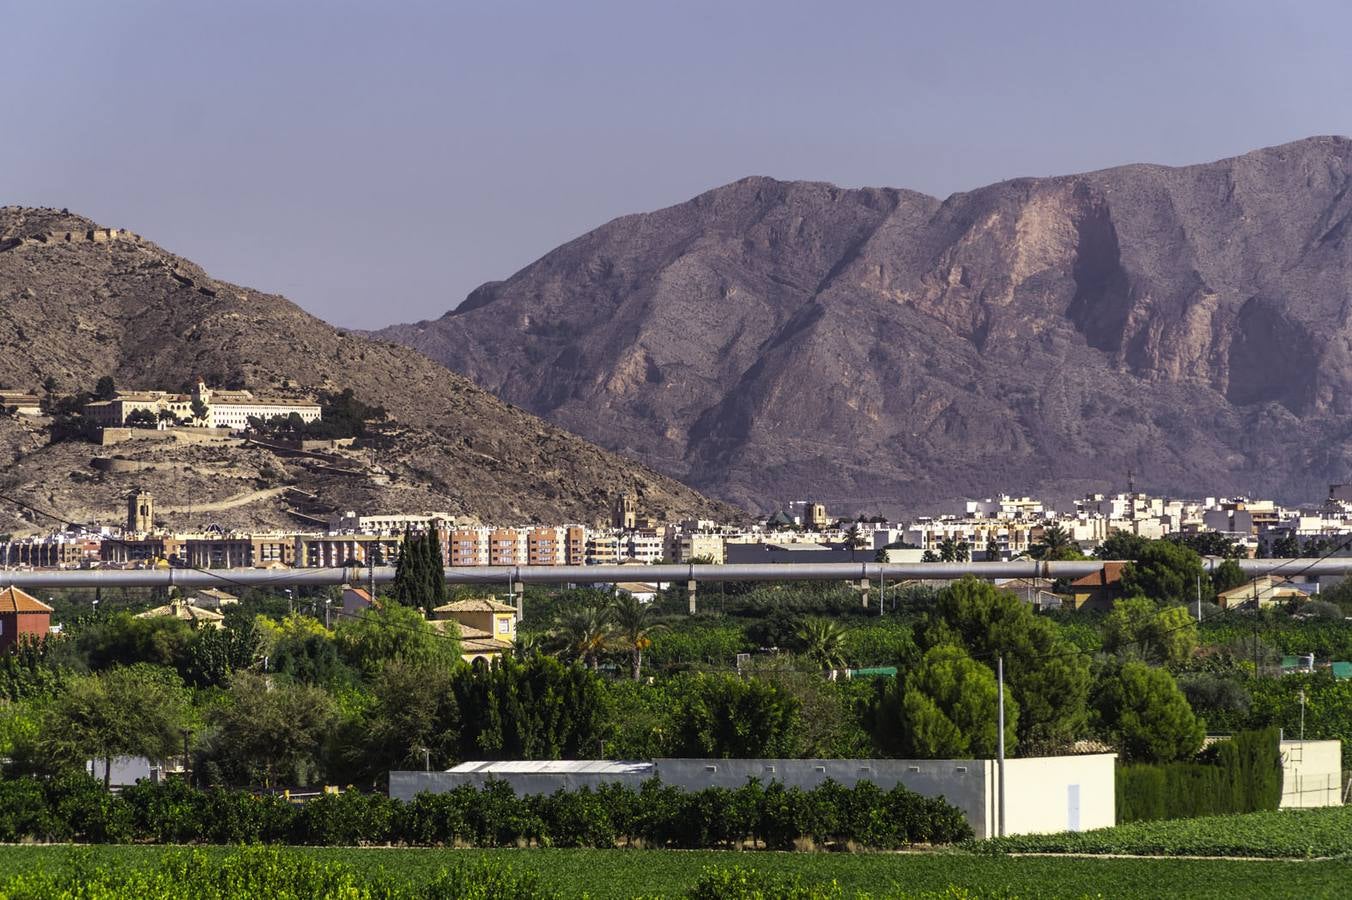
x=22, y=614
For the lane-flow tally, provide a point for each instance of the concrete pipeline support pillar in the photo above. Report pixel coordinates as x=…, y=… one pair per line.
x=690, y=594
x=863, y=589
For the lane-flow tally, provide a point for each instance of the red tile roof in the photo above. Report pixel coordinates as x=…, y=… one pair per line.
x=14, y=600
x=1111, y=573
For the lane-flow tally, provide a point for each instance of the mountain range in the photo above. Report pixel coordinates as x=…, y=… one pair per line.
x=1186, y=329
x=78, y=302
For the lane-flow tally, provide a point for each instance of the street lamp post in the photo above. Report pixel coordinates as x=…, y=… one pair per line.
x=1000, y=739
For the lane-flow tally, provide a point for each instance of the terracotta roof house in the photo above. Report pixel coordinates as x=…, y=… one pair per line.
x=356, y=601
x=487, y=627
x=1099, y=589
x=22, y=615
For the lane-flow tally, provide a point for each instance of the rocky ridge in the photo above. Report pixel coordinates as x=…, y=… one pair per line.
x=880, y=348
x=78, y=301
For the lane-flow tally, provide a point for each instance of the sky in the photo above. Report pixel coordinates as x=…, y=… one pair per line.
x=376, y=161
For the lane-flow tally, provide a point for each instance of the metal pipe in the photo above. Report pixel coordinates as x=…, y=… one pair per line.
x=856, y=571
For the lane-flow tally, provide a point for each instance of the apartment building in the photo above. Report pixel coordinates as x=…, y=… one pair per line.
x=336, y=550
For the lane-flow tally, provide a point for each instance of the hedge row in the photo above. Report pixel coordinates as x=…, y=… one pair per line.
x=76, y=808
x=264, y=872
x=1240, y=775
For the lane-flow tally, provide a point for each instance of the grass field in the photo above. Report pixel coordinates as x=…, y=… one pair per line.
x=1289, y=834
x=626, y=873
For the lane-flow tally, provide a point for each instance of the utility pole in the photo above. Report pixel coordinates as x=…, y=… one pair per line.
x=1000, y=738
x=1199, y=598
x=1302, y=714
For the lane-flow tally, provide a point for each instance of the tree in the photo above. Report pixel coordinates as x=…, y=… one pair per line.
x=268, y=733
x=951, y=550
x=1165, y=572
x=411, y=711
x=129, y=711
x=1210, y=543
x=1286, y=547
x=634, y=627
x=1047, y=675
x=1056, y=544
x=1138, y=628
x=1122, y=545
x=199, y=409
x=854, y=537
x=391, y=631
x=992, y=550
x=1227, y=576
x=824, y=642
x=215, y=654
x=1340, y=593
x=1141, y=708
x=536, y=709
x=418, y=576
x=728, y=717
x=105, y=388
x=582, y=631
x=946, y=708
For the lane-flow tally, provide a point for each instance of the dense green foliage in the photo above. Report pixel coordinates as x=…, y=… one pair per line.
x=944, y=708
x=1286, y=833
x=1047, y=677
x=1240, y=775
x=1141, y=708
x=1164, y=571
x=259, y=872
x=624, y=874
x=418, y=578
x=75, y=808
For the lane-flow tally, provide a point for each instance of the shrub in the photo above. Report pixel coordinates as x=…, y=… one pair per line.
x=1241, y=775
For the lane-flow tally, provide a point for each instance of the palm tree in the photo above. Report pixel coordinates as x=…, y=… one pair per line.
x=1055, y=542
x=954, y=551
x=634, y=627
x=854, y=536
x=824, y=642
x=527, y=644
x=582, y=631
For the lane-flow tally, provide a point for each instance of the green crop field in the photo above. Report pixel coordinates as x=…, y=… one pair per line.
x=1288, y=834
x=627, y=873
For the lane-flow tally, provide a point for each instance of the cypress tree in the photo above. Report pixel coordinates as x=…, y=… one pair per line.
x=405, y=570
x=435, y=576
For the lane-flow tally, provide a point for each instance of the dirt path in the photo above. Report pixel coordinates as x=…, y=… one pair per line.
x=228, y=503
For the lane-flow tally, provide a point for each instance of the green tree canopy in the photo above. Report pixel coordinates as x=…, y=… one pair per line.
x=418, y=577
x=634, y=626
x=268, y=733
x=946, y=708
x=1048, y=676
x=1138, y=628
x=533, y=709
x=725, y=716
x=1166, y=572
x=1122, y=545
x=127, y=711
x=1227, y=576
x=1141, y=708
x=824, y=642
x=391, y=631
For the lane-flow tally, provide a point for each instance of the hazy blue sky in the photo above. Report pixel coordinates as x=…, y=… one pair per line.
x=377, y=161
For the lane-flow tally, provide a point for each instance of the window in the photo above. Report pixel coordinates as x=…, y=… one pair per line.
x=504, y=625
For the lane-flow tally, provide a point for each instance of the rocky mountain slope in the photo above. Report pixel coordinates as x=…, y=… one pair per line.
x=73, y=308
x=881, y=348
